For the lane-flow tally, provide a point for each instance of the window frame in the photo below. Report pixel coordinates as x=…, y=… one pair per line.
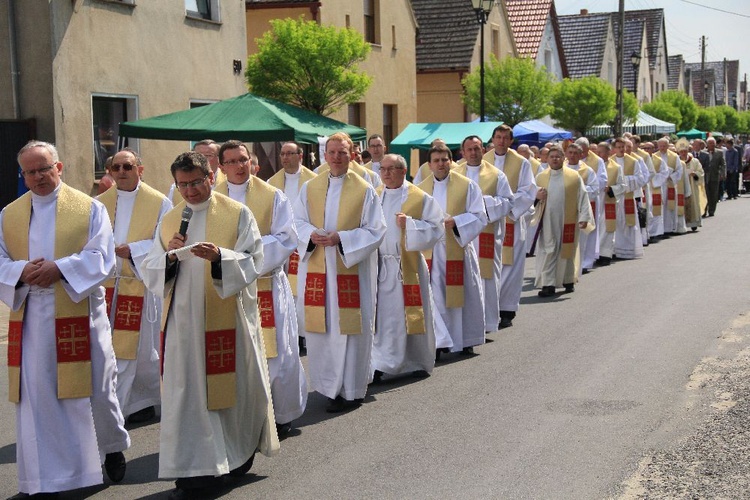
x=131, y=105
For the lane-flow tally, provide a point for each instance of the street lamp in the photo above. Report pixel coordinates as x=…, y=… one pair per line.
x=482, y=8
x=635, y=60
x=705, y=92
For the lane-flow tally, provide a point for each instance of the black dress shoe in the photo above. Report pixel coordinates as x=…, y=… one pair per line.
x=283, y=429
x=143, y=415
x=420, y=374
x=114, y=465
x=245, y=468
x=468, y=351
x=505, y=323
x=569, y=287
x=547, y=291
x=377, y=377
x=585, y=271
x=439, y=351
x=302, y=345
x=604, y=261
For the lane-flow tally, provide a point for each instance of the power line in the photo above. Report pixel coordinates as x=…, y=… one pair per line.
x=716, y=9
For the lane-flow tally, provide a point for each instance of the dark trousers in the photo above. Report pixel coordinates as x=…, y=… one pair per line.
x=733, y=183
x=712, y=193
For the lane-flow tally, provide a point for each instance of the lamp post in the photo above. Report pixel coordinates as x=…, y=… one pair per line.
x=482, y=8
x=705, y=92
x=635, y=60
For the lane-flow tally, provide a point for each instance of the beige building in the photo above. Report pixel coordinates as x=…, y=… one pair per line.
x=390, y=27
x=449, y=49
x=86, y=65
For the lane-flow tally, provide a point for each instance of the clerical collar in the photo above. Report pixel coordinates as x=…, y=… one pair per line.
x=393, y=190
x=476, y=167
x=129, y=194
x=331, y=176
x=295, y=174
x=238, y=187
x=500, y=156
x=200, y=206
x=48, y=197
x=443, y=179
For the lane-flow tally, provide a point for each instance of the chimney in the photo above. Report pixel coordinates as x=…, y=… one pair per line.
x=584, y=12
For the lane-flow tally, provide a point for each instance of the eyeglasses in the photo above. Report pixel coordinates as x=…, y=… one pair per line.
x=193, y=184
x=115, y=167
x=242, y=161
x=42, y=171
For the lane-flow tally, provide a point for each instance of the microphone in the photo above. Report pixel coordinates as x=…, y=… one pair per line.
x=187, y=213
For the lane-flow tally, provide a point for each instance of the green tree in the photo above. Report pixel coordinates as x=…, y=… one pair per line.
x=720, y=119
x=630, y=106
x=681, y=102
x=515, y=90
x=311, y=66
x=664, y=111
x=706, y=120
x=581, y=104
x=745, y=122
x=732, y=122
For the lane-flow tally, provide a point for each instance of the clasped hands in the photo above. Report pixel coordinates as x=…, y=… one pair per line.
x=204, y=250
x=41, y=272
x=329, y=239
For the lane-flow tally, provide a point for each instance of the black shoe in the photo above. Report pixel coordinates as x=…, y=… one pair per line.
x=245, y=468
x=340, y=404
x=693, y=229
x=439, y=351
x=190, y=488
x=604, y=261
x=19, y=496
x=468, y=351
x=143, y=415
x=505, y=323
x=569, y=287
x=114, y=465
x=547, y=291
x=585, y=271
x=420, y=374
x=302, y=345
x=377, y=377
x=282, y=430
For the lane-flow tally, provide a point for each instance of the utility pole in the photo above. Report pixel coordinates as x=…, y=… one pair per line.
x=704, y=83
x=620, y=73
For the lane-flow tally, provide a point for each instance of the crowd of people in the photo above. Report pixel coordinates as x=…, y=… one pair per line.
x=203, y=300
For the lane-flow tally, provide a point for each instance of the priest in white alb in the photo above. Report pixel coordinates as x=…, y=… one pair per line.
x=405, y=330
x=278, y=315
x=216, y=399
x=340, y=227
x=56, y=250
x=588, y=243
x=628, y=241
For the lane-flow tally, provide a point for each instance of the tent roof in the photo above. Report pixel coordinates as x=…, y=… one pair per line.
x=693, y=133
x=247, y=117
x=645, y=125
x=420, y=135
x=538, y=131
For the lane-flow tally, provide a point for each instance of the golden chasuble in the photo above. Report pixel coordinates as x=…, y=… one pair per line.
x=675, y=194
x=656, y=192
x=259, y=198
x=72, y=324
x=629, y=200
x=458, y=190
x=610, y=204
x=411, y=288
x=130, y=290
x=222, y=220
x=512, y=170
x=488, y=184
x=278, y=181
x=351, y=205
x=570, y=218
x=584, y=173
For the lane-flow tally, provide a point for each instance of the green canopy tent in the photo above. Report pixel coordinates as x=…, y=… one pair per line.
x=691, y=134
x=247, y=118
x=420, y=135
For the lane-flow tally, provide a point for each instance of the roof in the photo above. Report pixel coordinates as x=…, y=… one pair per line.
x=527, y=21
x=632, y=42
x=654, y=19
x=448, y=32
x=716, y=69
x=697, y=79
x=675, y=64
x=584, y=40
x=421, y=135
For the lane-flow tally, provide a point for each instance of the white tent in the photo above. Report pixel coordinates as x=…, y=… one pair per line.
x=645, y=125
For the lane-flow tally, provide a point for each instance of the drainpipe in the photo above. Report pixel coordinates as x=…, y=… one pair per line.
x=13, y=59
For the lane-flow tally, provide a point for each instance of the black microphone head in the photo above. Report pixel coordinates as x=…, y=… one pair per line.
x=187, y=213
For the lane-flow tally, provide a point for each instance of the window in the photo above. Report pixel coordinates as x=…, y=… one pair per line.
x=393, y=35
x=372, y=21
x=548, y=60
x=356, y=114
x=108, y=112
x=496, y=40
x=611, y=72
x=348, y=21
x=389, y=121
x=203, y=9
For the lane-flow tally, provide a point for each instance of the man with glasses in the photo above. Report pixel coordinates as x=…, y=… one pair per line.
x=216, y=400
x=376, y=148
x=134, y=210
x=209, y=149
x=273, y=213
x=340, y=226
x=56, y=249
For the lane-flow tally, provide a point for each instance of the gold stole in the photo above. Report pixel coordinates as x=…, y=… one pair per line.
x=656, y=200
x=353, y=167
x=222, y=220
x=126, y=329
x=629, y=201
x=259, y=198
x=351, y=204
x=410, y=264
x=426, y=172
x=277, y=181
x=610, y=204
x=584, y=173
x=72, y=324
x=488, y=184
x=570, y=218
x=458, y=190
x=512, y=170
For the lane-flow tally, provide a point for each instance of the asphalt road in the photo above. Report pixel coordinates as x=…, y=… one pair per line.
x=566, y=404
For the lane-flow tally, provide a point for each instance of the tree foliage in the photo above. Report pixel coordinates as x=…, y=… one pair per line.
x=731, y=118
x=745, y=122
x=686, y=107
x=581, y=104
x=515, y=90
x=630, y=106
x=311, y=66
x=664, y=111
x=706, y=120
